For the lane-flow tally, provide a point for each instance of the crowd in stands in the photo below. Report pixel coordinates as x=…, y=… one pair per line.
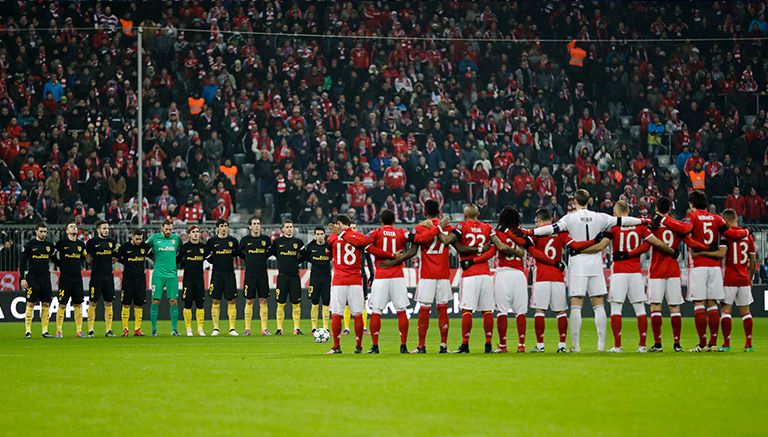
x=378, y=105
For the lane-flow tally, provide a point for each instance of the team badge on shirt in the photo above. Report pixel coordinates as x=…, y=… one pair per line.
x=201, y=250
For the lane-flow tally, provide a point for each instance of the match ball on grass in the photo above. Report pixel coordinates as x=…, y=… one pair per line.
x=321, y=335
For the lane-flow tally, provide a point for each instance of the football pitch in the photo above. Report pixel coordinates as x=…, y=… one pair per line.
x=287, y=385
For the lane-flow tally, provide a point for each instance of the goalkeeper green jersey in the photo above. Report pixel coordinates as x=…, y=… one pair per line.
x=165, y=249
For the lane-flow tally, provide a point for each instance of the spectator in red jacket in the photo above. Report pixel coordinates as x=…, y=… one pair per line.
x=544, y=185
x=394, y=177
x=356, y=192
x=755, y=207
x=220, y=211
x=191, y=212
x=518, y=184
x=737, y=202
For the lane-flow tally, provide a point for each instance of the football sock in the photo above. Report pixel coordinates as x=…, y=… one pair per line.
x=215, y=314
x=713, y=318
x=365, y=318
x=656, y=327
x=200, y=313
x=326, y=316
x=466, y=326
x=700, y=319
x=125, y=315
x=676, y=320
x=726, y=323
x=108, y=315
x=79, y=318
x=174, y=317
x=402, y=326
x=575, y=326
x=359, y=330
x=154, y=309
x=347, y=317
x=423, y=324
x=442, y=321
x=488, y=326
x=60, y=318
x=502, y=320
x=746, y=319
x=280, y=315
x=336, y=321
x=232, y=314
x=296, y=310
x=642, y=328
x=521, y=327
x=248, y=315
x=313, y=315
x=601, y=321
x=562, y=328
x=616, y=328
x=375, y=328
x=44, y=315
x=263, y=315
x=188, y=318
x=28, y=314
x=538, y=325
x=91, y=315
x=138, y=316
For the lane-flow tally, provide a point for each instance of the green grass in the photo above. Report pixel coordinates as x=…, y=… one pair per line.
x=281, y=385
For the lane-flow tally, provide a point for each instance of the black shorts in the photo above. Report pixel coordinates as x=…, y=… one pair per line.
x=101, y=287
x=39, y=290
x=193, y=292
x=288, y=286
x=319, y=290
x=70, y=289
x=134, y=291
x=223, y=285
x=256, y=286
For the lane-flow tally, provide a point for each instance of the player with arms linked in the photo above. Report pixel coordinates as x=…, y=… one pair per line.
x=222, y=250
x=289, y=253
x=133, y=255
x=165, y=277
x=191, y=257
x=100, y=252
x=319, y=290
x=71, y=255
x=255, y=250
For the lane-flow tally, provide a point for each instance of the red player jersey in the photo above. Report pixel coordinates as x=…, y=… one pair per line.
x=551, y=248
x=389, y=239
x=628, y=239
x=346, y=251
x=511, y=262
x=473, y=233
x=706, y=230
x=435, y=256
x=664, y=265
x=737, y=261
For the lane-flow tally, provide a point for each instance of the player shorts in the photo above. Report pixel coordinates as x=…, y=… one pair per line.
x=343, y=295
x=256, y=286
x=705, y=283
x=581, y=285
x=222, y=285
x=665, y=288
x=388, y=290
x=70, y=289
x=101, y=287
x=288, y=287
x=170, y=285
x=319, y=290
x=134, y=291
x=193, y=292
x=627, y=285
x=510, y=291
x=549, y=295
x=40, y=289
x=477, y=293
x=741, y=296
x=431, y=290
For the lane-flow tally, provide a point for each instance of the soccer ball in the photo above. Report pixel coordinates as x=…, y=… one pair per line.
x=322, y=335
